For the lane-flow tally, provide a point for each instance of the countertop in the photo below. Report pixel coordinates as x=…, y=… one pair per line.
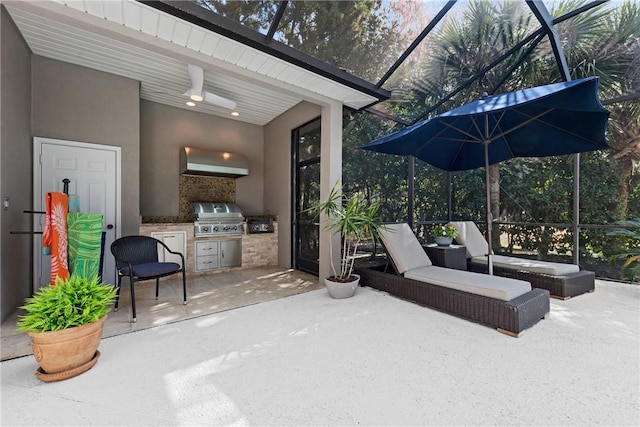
x=176, y=220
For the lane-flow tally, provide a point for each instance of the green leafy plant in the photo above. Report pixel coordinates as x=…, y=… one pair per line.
x=70, y=302
x=444, y=231
x=631, y=252
x=356, y=219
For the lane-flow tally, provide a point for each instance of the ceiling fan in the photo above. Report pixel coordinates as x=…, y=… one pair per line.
x=197, y=93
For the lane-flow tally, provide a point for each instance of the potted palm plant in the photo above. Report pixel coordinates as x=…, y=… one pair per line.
x=64, y=321
x=356, y=220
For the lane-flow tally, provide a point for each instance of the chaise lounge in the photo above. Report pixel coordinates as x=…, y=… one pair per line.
x=563, y=281
x=509, y=305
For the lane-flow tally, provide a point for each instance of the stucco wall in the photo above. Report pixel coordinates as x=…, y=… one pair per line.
x=277, y=172
x=15, y=166
x=165, y=130
x=80, y=104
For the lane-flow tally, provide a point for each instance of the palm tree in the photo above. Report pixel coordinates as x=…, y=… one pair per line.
x=466, y=47
x=606, y=43
x=603, y=41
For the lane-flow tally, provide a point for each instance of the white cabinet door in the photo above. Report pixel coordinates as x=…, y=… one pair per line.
x=176, y=241
x=230, y=253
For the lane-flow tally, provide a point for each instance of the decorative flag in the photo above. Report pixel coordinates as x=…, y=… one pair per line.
x=54, y=236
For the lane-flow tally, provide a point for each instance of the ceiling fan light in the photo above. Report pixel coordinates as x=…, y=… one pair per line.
x=196, y=97
x=191, y=103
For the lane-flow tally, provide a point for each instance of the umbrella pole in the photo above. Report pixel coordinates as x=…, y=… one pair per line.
x=489, y=216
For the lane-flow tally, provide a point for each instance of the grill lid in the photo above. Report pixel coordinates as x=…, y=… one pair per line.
x=217, y=211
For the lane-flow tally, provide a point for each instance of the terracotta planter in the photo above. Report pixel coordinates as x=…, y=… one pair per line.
x=66, y=353
x=341, y=290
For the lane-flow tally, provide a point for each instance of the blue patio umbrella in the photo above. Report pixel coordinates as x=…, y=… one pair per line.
x=556, y=119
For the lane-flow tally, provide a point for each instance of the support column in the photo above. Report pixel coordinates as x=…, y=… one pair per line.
x=330, y=173
x=544, y=17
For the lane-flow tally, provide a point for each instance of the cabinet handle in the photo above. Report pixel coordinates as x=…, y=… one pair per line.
x=208, y=262
x=223, y=253
x=168, y=237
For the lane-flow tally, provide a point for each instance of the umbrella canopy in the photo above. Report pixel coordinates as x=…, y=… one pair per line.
x=556, y=119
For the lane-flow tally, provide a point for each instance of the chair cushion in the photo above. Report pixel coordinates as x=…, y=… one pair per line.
x=501, y=288
x=403, y=246
x=152, y=269
x=534, y=266
x=470, y=236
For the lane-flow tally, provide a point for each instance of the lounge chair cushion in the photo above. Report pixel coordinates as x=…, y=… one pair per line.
x=412, y=262
x=403, y=247
x=501, y=288
x=470, y=236
x=474, y=241
x=541, y=267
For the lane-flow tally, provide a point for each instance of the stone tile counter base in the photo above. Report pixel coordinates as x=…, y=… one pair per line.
x=258, y=250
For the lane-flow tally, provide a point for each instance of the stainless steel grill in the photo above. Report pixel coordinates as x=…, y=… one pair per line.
x=217, y=219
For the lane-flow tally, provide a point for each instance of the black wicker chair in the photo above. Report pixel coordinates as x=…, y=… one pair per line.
x=137, y=258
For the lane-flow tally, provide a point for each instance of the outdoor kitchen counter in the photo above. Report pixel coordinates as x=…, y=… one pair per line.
x=258, y=250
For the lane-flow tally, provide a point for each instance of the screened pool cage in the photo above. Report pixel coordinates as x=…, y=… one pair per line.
x=420, y=59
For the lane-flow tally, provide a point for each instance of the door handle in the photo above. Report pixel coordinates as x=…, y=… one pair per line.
x=110, y=226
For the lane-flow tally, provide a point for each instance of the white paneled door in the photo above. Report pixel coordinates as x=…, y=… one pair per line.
x=93, y=172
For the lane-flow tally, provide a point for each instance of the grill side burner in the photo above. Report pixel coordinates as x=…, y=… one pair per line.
x=218, y=219
x=259, y=225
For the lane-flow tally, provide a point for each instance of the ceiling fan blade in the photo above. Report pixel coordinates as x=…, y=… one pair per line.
x=197, y=81
x=218, y=100
x=197, y=78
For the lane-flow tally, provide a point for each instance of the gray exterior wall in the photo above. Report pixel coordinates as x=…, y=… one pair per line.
x=48, y=98
x=15, y=166
x=277, y=171
x=80, y=104
x=165, y=130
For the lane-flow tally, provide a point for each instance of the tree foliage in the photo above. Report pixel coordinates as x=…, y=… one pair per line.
x=360, y=37
x=460, y=57
x=601, y=42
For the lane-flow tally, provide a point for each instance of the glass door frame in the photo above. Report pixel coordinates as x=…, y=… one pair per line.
x=296, y=164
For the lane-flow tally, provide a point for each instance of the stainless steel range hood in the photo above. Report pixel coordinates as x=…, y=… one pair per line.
x=198, y=161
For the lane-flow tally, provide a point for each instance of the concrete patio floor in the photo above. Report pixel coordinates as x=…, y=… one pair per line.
x=306, y=359
x=205, y=295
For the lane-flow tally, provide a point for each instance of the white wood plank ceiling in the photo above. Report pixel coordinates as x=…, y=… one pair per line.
x=132, y=40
